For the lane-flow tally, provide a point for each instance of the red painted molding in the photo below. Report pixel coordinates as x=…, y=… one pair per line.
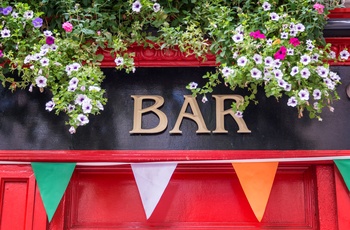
x=160, y=155
x=155, y=57
x=340, y=13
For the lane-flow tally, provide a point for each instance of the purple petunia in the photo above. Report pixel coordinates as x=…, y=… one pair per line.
x=37, y=22
x=6, y=10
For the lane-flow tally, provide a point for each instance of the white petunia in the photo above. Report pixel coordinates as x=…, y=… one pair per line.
x=5, y=33
x=72, y=88
x=87, y=107
x=287, y=87
x=72, y=130
x=290, y=51
x=266, y=6
x=82, y=119
x=255, y=73
x=322, y=71
x=99, y=105
x=293, y=33
x=257, y=58
x=119, y=61
x=136, y=6
x=156, y=7
x=292, y=101
x=305, y=59
x=305, y=73
x=284, y=35
x=74, y=81
x=332, y=55
x=27, y=59
x=204, y=99
x=317, y=94
x=44, y=61
x=304, y=94
x=226, y=71
x=242, y=61
x=75, y=66
x=193, y=85
x=70, y=108
x=269, y=61
x=294, y=71
x=41, y=81
x=237, y=37
x=28, y=14
x=94, y=88
x=49, y=105
x=300, y=27
x=281, y=83
x=344, y=54
x=334, y=76
x=47, y=33
x=277, y=63
x=278, y=73
x=239, y=114
x=80, y=99
x=274, y=16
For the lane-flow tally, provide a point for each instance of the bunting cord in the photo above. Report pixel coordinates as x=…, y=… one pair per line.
x=297, y=159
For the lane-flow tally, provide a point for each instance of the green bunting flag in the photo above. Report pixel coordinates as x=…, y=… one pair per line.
x=52, y=179
x=344, y=169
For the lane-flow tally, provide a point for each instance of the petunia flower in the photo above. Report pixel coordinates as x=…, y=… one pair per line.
x=319, y=8
x=294, y=42
x=41, y=81
x=136, y=6
x=82, y=119
x=281, y=53
x=67, y=26
x=50, y=40
x=37, y=22
x=6, y=10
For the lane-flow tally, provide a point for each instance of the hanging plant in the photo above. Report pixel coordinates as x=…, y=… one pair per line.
x=275, y=45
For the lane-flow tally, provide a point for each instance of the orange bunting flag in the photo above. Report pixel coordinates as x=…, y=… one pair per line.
x=256, y=180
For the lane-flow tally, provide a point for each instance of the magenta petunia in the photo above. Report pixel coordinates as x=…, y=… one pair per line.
x=50, y=40
x=257, y=35
x=281, y=53
x=294, y=41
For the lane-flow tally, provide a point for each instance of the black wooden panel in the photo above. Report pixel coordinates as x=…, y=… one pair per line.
x=24, y=123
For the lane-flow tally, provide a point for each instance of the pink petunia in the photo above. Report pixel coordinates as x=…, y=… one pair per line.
x=257, y=35
x=294, y=41
x=281, y=53
x=319, y=8
x=67, y=26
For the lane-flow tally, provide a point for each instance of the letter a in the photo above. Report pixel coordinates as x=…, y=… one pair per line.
x=196, y=116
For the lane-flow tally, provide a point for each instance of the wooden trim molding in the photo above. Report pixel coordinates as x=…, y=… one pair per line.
x=130, y=156
x=340, y=13
x=153, y=57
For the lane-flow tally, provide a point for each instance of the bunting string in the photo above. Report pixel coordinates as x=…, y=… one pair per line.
x=297, y=159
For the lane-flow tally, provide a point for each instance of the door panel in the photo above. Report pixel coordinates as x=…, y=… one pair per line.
x=198, y=196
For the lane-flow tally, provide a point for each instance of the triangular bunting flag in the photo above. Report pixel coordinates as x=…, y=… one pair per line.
x=151, y=180
x=52, y=179
x=344, y=169
x=256, y=180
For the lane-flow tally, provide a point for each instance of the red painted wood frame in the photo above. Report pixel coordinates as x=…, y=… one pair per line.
x=323, y=201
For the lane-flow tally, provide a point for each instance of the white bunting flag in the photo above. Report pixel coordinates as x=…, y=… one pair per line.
x=152, y=180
